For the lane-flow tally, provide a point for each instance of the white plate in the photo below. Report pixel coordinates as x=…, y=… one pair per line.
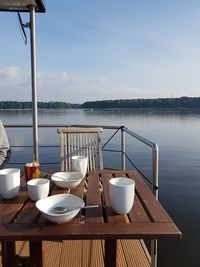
x=46, y=205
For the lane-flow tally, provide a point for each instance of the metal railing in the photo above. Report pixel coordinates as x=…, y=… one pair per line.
x=122, y=151
x=124, y=131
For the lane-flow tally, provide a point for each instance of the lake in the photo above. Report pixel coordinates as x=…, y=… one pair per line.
x=177, y=135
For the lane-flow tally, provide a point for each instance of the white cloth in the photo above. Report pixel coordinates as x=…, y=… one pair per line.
x=4, y=144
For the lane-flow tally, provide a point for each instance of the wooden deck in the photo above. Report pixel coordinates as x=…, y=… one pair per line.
x=86, y=253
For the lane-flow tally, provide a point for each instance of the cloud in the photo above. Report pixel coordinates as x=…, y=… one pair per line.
x=10, y=73
x=97, y=29
x=53, y=76
x=65, y=76
x=134, y=90
x=14, y=85
x=102, y=79
x=79, y=88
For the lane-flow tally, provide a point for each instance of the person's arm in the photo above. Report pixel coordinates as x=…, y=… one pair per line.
x=4, y=146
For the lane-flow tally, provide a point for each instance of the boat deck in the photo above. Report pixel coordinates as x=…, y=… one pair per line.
x=86, y=253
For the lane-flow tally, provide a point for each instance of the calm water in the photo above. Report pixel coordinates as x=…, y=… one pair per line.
x=177, y=135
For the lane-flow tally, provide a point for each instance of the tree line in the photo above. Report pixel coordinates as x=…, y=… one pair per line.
x=41, y=105
x=181, y=102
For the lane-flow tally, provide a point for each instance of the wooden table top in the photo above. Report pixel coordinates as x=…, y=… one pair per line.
x=20, y=219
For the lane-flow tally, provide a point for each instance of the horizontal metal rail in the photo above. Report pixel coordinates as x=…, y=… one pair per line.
x=122, y=151
x=61, y=125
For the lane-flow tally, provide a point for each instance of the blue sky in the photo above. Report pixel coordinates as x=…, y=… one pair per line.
x=108, y=49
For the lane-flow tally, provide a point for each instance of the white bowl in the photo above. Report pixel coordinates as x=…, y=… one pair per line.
x=46, y=205
x=67, y=179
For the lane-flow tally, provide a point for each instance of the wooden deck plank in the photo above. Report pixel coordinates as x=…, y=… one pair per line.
x=22, y=248
x=121, y=257
x=134, y=253
x=71, y=253
x=52, y=253
x=88, y=253
x=92, y=253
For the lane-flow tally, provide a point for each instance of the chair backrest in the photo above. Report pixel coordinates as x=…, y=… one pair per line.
x=76, y=141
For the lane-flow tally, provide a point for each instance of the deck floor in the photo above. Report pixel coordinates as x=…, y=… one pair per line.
x=87, y=253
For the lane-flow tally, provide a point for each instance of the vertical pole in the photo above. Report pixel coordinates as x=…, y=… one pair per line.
x=155, y=170
x=33, y=83
x=36, y=254
x=110, y=247
x=8, y=253
x=154, y=253
x=123, y=162
x=155, y=192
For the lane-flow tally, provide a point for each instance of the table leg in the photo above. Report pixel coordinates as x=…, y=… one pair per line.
x=110, y=253
x=8, y=253
x=36, y=254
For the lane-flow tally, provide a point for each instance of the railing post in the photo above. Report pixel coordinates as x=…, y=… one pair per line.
x=34, y=83
x=155, y=170
x=155, y=192
x=123, y=160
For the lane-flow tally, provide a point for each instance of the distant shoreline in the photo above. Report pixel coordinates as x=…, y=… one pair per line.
x=95, y=109
x=158, y=103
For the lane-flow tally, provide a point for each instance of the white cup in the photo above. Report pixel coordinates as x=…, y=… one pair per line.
x=9, y=182
x=79, y=164
x=121, y=191
x=38, y=188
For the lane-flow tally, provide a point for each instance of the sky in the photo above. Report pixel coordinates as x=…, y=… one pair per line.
x=104, y=49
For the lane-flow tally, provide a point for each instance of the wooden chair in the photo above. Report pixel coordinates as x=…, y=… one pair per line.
x=76, y=141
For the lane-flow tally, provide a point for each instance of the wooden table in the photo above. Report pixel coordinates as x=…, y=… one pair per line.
x=20, y=220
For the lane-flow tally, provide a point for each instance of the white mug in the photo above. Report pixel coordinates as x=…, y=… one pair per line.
x=38, y=188
x=79, y=164
x=121, y=192
x=9, y=182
